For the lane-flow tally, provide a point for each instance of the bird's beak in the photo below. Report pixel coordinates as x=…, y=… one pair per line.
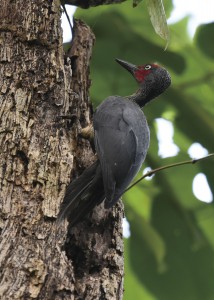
x=129, y=67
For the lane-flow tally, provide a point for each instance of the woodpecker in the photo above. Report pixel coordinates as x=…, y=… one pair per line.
x=121, y=137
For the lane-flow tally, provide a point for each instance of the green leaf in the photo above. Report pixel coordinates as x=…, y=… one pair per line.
x=134, y=289
x=158, y=18
x=147, y=234
x=204, y=39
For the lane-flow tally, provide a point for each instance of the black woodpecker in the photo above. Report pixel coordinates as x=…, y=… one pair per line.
x=121, y=137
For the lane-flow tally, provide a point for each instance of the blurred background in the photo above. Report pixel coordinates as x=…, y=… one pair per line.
x=169, y=225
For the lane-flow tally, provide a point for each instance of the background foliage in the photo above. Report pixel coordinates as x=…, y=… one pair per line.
x=170, y=253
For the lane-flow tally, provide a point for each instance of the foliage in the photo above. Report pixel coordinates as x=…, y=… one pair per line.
x=170, y=254
x=158, y=18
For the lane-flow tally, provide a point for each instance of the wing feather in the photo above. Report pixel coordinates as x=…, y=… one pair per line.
x=121, y=140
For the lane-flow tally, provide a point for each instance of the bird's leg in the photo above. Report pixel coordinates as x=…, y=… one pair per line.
x=87, y=133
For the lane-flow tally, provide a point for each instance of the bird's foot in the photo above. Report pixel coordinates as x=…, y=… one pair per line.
x=87, y=133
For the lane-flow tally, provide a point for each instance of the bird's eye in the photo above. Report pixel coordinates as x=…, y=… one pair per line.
x=147, y=67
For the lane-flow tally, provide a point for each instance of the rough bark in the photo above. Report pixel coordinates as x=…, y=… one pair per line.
x=39, y=155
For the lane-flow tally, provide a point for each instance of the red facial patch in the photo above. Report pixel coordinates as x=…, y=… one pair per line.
x=142, y=71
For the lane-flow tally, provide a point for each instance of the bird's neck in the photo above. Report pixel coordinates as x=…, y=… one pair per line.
x=140, y=97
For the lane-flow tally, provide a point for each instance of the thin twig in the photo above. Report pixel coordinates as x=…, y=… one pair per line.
x=152, y=172
x=67, y=16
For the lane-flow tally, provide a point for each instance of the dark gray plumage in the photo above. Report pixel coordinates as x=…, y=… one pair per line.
x=121, y=141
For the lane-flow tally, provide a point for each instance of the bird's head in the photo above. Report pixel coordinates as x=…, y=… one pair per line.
x=152, y=79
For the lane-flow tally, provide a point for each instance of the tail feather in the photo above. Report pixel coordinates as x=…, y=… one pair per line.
x=82, y=195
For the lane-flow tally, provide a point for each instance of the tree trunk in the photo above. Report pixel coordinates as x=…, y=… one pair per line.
x=40, y=154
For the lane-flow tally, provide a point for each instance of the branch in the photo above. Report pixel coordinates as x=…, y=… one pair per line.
x=67, y=16
x=152, y=172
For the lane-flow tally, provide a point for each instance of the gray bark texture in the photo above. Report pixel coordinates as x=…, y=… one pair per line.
x=39, y=155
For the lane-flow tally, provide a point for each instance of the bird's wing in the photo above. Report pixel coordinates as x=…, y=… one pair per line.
x=114, y=159
x=118, y=127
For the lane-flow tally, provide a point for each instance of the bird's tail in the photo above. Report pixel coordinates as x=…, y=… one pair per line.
x=82, y=195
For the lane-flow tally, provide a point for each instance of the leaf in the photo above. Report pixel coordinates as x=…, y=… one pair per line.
x=133, y=288
x=144, y=234
x=204, y=39
x=158, y=19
